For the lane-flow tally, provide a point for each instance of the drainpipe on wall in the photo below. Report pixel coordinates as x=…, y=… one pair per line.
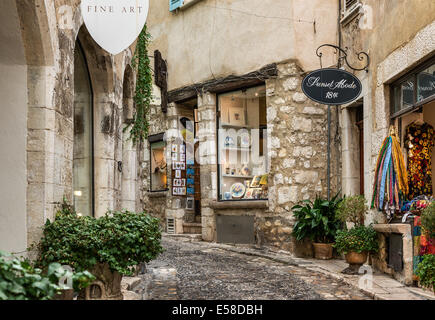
x=337, y=110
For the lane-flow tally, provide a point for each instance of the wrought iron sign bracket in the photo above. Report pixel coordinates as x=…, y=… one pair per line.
x=342, y=56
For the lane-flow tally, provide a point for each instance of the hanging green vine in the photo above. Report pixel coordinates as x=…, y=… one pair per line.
x=144, y=87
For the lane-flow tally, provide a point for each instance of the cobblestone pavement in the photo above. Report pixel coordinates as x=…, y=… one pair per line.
x=198, y=270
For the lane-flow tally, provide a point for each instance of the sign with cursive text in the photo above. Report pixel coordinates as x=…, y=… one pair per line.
x=331, y=86
x=114, y=24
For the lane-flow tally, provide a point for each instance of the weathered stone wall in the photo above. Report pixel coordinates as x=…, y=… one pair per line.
x=390, y=58
x=297, y=142
x=49, y=30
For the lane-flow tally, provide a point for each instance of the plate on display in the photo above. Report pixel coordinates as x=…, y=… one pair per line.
x=245, y=140
x=238, y=190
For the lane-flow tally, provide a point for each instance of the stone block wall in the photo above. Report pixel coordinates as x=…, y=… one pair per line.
x=297, y=142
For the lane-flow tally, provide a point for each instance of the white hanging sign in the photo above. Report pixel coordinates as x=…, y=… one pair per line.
x=114, y=24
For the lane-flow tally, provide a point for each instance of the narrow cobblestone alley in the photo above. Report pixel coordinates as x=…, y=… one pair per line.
x=197, y=270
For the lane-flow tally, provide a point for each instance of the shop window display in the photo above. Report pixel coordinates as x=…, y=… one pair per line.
x=158, y=166
x=413, y=117
x=242, y=136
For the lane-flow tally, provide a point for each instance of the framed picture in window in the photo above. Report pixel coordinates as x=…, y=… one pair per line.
x=237, y=116
x=256, y=182
x=249, y=193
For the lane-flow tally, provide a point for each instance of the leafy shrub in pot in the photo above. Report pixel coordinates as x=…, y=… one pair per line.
x=358, y=239
x=20, y=280
x=352, y=209
x=355, y=244
x=428, y=220
x=317, y=222
x=108, y=247
x=426, y=271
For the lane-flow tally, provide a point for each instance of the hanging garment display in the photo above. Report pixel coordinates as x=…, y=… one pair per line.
x=390, y=187
x=419, y=142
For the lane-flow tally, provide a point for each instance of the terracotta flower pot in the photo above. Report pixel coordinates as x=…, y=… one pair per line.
x=356, y=258
x=322, y=251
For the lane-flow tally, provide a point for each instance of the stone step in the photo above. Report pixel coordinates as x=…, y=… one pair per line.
x=129, y=283
x=192, y=227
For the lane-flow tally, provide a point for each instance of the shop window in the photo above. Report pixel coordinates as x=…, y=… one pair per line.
x=158, y=174
x=242, y=145
x=83, y=137
x=414, y=90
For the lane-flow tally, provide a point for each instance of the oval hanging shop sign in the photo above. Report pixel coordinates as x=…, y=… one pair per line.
x=114, y=24
x=331, y=86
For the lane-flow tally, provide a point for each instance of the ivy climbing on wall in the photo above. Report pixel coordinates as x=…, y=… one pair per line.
x=144, y=87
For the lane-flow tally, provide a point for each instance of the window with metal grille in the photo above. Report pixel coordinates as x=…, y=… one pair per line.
x=170, y=225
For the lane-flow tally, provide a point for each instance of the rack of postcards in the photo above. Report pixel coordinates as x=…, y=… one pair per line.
x=179, y=173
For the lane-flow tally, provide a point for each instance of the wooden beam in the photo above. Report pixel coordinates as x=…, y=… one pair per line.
x=229, y=83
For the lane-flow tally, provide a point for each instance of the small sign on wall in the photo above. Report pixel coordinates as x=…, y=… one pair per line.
x=331, y=86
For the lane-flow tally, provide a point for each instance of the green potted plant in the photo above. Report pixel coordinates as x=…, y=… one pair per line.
x=109, y=247
x=426, y=268
x=426, y=271
x=357, y=242
x=317, y=222
x=428, y=220
x=20, y=280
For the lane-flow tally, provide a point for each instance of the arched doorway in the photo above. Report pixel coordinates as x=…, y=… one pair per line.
x=83, y=160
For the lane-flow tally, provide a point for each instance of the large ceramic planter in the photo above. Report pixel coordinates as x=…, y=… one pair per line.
x=107, y=285
x=65, y=295
x=355, y=260
x=322, y=251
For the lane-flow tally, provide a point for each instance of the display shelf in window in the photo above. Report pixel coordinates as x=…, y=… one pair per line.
x=241, y=117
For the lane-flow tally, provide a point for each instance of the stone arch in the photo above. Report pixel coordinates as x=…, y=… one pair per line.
x=106, y=118
x=26, y=66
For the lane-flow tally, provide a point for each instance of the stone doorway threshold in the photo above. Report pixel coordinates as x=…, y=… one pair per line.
x=383, y=286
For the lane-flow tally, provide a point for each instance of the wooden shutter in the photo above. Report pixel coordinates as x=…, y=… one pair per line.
x=349, y=4
x=175, y=4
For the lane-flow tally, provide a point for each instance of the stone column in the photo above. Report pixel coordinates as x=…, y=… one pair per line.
x=129, y=172
x=207, y=158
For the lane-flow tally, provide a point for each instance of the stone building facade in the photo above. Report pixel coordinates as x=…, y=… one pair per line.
x=274, y=51
x=399, y=37
x=51, y=71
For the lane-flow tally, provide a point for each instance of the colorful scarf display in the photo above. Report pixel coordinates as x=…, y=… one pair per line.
x=391, y=182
